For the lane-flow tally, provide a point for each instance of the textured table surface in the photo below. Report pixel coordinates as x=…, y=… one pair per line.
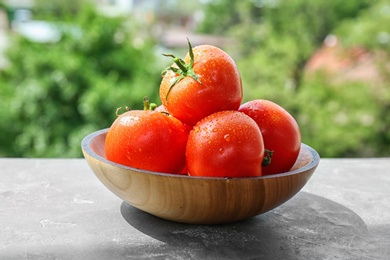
x=57, y=209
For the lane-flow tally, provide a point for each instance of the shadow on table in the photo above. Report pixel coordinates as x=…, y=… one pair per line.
x=306, y=226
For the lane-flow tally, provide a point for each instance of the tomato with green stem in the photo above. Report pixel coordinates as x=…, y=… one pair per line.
x=280, y=131
x=225, y=144
x=148, y=140
x=205, y=82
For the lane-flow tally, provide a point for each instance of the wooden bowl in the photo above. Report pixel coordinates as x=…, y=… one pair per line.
x=197, y=200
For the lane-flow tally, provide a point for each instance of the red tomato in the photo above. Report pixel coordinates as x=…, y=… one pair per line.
x=225, y=144
x=207, y=81
x=280, y=132
x=148, y=140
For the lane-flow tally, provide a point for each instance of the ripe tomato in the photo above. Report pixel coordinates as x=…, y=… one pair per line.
x=280, y=132
x=207, y=81
x=148, y=140
x=225, y=144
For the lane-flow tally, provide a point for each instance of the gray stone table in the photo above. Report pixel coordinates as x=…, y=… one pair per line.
x=57, y=209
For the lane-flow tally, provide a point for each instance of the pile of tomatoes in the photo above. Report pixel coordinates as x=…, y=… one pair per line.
x=202, y=128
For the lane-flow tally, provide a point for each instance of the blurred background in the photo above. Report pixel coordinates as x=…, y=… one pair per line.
x=65, y=66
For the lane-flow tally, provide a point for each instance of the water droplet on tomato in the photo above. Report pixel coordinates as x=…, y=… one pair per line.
x=226, y=137
x=220, y=150
x=196, y=129
x=127, y=120
x=215, y=129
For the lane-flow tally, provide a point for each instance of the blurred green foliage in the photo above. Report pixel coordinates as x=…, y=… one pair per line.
x=371, y=30
x=55, y=94
x=52, y=95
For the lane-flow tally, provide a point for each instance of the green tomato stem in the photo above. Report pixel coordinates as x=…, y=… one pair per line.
x=148, y=105
x=267, y=157
x=183, y=69
x=181, y=64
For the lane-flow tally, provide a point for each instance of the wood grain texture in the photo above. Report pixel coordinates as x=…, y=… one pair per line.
x=193, y=199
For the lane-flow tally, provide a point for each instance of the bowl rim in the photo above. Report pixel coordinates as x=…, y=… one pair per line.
x=85, y=145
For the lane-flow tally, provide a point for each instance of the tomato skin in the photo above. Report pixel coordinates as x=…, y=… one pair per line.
x=225, y=144
x=147, y=140
x=280, y=132
x=220, y=86
x=161, y=108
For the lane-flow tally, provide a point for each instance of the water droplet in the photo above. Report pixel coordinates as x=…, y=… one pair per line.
x=220, y=150
x=196, y=129
x=226, y=137
x=215, y=129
